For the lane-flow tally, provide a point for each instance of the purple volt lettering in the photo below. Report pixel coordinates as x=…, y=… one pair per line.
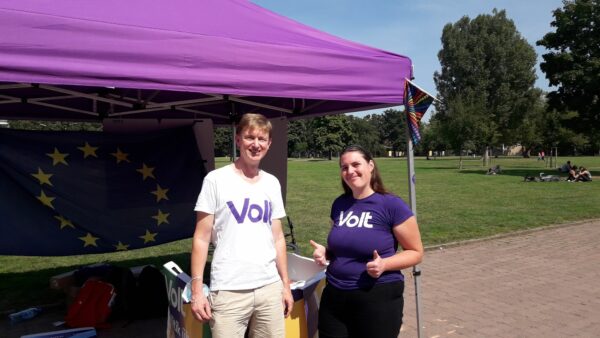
x=239, y=217
x=258, y=216
x=254, y=212
x=268, y=211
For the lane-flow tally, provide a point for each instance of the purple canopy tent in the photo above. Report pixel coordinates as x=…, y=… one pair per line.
x=181, y=59
x=92, y=60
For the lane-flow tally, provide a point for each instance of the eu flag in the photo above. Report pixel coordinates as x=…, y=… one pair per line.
x=67, y=193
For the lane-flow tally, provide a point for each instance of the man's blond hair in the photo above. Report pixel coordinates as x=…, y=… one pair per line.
x=254, y=121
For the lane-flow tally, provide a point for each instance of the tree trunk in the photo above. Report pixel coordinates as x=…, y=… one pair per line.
x=486, y=157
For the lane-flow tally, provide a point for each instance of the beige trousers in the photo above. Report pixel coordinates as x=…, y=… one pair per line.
x=262, y=308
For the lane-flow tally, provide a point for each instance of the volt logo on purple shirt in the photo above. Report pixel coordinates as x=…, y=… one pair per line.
x=254, y=212
x=351, y=220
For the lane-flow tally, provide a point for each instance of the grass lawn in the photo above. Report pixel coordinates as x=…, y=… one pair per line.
x=452, y=205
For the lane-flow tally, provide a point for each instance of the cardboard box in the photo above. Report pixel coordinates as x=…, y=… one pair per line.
x=303, y=272
x=308, y=281
x=62, y=281
x=65, y=281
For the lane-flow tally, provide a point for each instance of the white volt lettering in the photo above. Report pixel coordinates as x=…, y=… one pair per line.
x=351, y=220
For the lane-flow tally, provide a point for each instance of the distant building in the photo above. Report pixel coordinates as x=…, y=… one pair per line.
x=396, y=153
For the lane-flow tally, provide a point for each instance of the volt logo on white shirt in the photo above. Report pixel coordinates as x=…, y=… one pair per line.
x=254, y=212
x=351, y=220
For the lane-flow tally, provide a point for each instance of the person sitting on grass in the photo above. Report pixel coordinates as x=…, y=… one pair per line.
x=584, y=175
x=494, y=170
x=572, y=174
x=565, y=167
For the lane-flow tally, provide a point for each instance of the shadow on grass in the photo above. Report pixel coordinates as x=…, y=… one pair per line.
x=446, y=168
x=518, y=172
x=32, y=288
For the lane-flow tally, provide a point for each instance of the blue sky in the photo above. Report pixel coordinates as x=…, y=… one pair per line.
x=414, y=28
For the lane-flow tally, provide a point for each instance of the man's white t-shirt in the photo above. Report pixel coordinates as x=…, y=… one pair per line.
x=244, y=256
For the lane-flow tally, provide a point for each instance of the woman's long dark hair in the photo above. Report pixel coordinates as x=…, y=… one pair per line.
x=376, y=182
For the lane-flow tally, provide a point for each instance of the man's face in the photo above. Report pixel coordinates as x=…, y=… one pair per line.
x=253, y=144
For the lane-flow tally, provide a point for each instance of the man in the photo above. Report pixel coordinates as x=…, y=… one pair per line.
x=565, y=168
x=239, y=209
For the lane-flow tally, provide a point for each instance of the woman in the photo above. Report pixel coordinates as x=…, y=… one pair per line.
x=584, y=175
x=573, y=173
x=363, y=296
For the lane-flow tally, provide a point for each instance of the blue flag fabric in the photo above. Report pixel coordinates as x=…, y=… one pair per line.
x=68, y=193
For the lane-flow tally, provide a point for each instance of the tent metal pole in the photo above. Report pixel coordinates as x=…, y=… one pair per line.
x=233, y=148
x=416, y=271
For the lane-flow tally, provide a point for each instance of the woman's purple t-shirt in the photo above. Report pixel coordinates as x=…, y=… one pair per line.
x=359, y=227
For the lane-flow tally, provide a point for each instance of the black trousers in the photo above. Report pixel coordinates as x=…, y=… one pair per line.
x=373, y=313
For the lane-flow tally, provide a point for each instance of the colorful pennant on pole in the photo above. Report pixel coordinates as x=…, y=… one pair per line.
x=416, y=103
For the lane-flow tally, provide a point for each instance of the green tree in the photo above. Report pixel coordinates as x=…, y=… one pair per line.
x=487, y=73
x=332, y=133
x=366, y=134
x=531, y=130
x=432, y=137
x=300, y=138
x=462, y=125
x=572, y=65
x=392, y=128
x=223, y=139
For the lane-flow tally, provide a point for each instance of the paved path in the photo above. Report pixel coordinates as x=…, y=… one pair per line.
x=543, y=283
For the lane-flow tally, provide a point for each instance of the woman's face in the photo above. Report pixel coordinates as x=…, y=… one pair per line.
x=356, y=171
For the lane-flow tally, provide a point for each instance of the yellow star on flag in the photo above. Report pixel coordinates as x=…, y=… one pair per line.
x=149, y=237
x=89, y=240
x=43, y=177
x=58, y=157
x=88, y=150
x=64, y=222
x=160, y=193
x=121, y=247
x=146, y=171
x=46, y=200
x=120, y=156
x=161, y=217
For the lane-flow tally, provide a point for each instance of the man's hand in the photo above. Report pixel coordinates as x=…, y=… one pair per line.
x=201, y=308
x=288, y=301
